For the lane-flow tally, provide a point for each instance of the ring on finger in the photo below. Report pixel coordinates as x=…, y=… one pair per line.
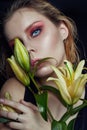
x=18, y=117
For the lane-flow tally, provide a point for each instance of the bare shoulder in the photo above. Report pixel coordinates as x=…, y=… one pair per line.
x=14, y=87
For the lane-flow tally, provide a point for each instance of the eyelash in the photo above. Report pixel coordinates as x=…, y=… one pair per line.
x=35, y=32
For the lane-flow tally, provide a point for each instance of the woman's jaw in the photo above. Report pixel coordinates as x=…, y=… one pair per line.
x=44, y=69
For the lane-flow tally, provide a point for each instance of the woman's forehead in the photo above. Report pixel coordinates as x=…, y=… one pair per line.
x=21, y=19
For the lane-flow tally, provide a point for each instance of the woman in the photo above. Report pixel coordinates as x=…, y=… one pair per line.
x=44, y=31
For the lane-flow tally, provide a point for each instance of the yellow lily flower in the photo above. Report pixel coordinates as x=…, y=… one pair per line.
x=21, y=55
x=5, y=107
x=18, y=71
x=70, y=82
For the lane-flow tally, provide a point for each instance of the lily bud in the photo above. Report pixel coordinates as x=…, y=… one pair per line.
x=18, y=71
x=21, y=55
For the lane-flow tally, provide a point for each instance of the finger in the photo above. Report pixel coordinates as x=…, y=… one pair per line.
x=16, y=126
x=16, y=117
x=11, y=115
x=3, y=114
x=15, y=105
x=28, y=104
x=4, y=127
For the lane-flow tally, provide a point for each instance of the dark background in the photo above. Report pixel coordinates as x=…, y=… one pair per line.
x=76, y=9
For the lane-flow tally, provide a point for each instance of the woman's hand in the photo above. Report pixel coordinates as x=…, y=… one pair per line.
x=29, y=119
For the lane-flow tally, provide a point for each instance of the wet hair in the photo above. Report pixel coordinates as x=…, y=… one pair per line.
x=56, y=17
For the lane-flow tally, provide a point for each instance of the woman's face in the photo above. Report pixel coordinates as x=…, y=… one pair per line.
x=40, y=37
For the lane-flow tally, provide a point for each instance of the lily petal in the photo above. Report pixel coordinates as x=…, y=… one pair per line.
x=64, y=92
x=78, y=88
x=79, y=69
x=69, y=68
x=62, y=88
x=59, y=75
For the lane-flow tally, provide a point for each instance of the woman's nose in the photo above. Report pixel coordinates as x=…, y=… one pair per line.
x=31, y=49
x=32, y=53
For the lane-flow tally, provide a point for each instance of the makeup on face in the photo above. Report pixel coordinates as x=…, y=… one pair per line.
x=40, y=37
x=34, y=29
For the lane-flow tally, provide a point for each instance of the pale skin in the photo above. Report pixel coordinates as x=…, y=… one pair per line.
x=39, y=35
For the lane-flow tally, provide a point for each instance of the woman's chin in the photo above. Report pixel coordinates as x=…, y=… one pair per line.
x=44, y=72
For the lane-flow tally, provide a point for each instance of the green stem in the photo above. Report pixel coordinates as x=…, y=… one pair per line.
x=31, y=90
x=36, y=85
x=71, y=111
x=67, y=114
x=51, y=116
x=38, y=88
x=65, y=117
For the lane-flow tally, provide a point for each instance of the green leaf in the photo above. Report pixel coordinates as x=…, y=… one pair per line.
x=57, y=125
x=56, y=92
x=4, y=120
x=71, y=125
x=41, y=100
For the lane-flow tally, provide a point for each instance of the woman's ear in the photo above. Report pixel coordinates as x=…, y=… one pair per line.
x=63, y=30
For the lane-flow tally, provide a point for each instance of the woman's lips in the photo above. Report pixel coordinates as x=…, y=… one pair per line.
x=36, y=62
x=33, y=62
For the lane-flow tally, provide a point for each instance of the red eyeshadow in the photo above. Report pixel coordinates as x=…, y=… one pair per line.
x=34, y=26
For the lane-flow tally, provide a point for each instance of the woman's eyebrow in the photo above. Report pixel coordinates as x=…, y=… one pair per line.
x=31, y=25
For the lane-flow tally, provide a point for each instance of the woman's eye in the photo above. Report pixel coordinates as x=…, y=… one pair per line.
x=35, y=32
